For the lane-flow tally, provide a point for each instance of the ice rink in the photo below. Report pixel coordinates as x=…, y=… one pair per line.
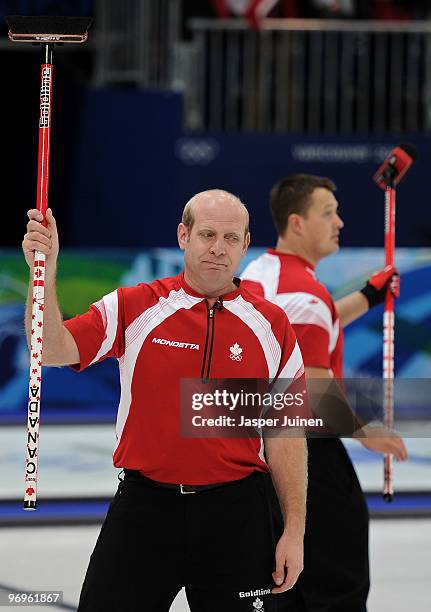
x=56, y=558
x=76, y=480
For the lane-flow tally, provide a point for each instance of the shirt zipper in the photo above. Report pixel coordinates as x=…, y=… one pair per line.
x=209, y=341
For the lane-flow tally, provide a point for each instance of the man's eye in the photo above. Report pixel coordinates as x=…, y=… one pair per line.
x=233, y=238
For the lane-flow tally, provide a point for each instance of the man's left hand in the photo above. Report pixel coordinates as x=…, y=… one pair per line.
x=289, y=562
x=380, y=283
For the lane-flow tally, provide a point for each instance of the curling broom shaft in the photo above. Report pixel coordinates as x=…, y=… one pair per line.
x=388, y=339
x=36, y=345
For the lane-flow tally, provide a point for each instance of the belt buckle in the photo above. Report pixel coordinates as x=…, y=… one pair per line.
x=183, y=492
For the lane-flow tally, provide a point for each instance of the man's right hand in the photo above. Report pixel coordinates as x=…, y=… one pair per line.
x=40, y=238
x=381, y=440
x=59, y=346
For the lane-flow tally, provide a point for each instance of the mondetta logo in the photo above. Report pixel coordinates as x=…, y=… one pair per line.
x=187, y=345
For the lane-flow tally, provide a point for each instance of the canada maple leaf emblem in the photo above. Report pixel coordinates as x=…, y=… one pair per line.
x=258, y=604
x=30, y=491
x=235, y=352
x=236, y=349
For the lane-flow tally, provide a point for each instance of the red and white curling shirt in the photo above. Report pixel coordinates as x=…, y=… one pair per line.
x=163, y=332
x=290, y=281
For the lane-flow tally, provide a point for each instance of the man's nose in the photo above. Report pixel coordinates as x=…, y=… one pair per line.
x=340, y=223
x=218, y=248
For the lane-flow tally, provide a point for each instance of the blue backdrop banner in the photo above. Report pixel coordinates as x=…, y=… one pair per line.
x=136, y=168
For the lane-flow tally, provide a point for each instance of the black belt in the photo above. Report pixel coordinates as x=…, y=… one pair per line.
x=184, y=489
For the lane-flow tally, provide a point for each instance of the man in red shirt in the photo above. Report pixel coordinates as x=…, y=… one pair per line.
x=305, y=212
x=191, y=511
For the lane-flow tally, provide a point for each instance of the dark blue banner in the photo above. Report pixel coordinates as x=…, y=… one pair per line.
x=137, y=169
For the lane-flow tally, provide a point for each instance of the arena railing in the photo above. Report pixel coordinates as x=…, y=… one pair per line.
x=317, y=76
x=136, y=42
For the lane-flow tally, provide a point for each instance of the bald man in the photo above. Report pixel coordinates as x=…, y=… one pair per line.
x=200, y=512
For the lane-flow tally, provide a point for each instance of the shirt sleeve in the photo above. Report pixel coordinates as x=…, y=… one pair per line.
x=289, y=386
x=98, y=332
x=314, y=343
x=311, y=319
x=291, y=363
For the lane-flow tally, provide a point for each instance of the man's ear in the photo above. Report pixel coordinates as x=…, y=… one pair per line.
x=295, y=223
x=246, y=244
x=182, y=235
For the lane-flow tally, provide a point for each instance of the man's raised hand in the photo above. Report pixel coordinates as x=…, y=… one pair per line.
x=41, y=238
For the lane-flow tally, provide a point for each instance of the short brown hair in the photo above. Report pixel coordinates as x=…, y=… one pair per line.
x=292, y=194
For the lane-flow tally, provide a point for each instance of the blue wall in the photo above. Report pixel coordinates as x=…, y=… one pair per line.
x=137, y=169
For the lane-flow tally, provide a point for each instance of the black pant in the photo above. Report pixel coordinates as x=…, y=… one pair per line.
x=219, y=544
x=336, y=574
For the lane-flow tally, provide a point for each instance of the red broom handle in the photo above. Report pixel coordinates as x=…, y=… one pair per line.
x=388, y=339
x=35, y=384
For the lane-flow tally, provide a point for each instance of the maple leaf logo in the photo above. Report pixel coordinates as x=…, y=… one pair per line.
x=30, y=491
x=236, y=349
x=258, y=604
x=235, y=352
